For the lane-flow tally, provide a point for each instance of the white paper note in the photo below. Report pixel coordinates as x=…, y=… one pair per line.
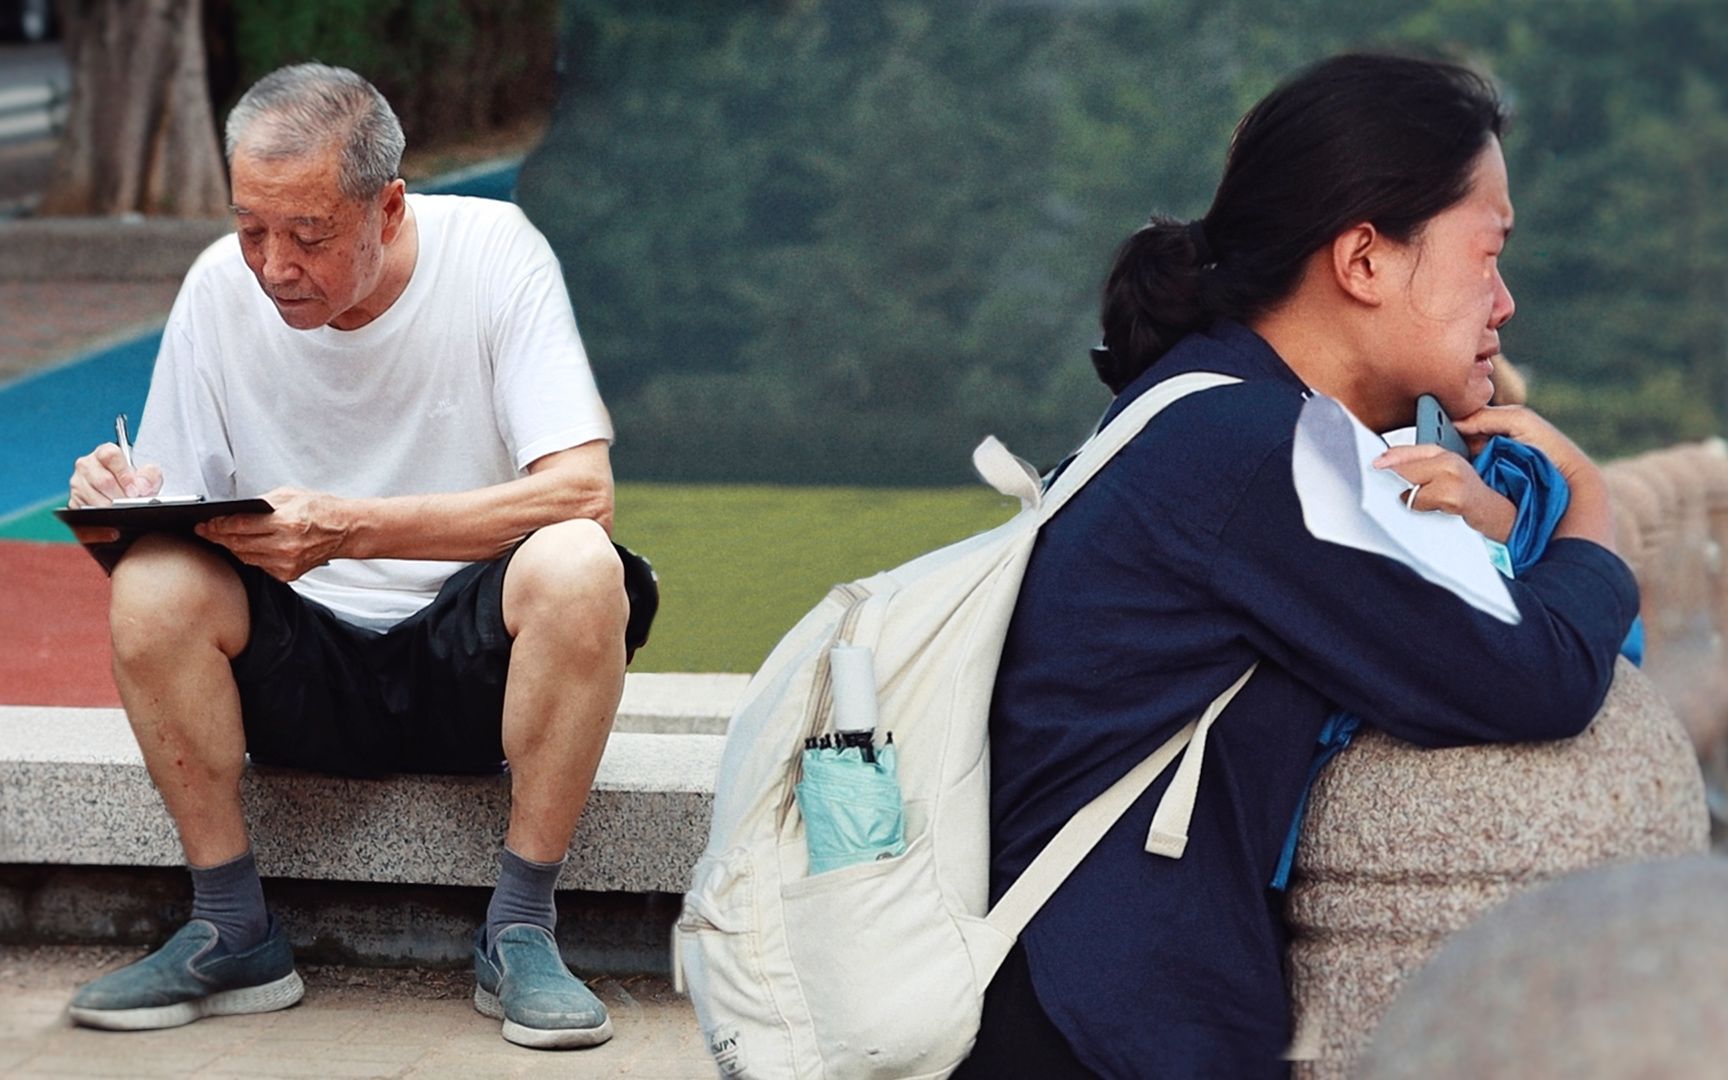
x=1347, y=501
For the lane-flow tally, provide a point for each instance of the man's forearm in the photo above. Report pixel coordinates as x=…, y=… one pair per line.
x=478, y=524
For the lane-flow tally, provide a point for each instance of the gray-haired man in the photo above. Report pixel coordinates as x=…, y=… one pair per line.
x=435, y=591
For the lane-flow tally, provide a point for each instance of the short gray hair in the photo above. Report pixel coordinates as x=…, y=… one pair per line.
x=304, y=108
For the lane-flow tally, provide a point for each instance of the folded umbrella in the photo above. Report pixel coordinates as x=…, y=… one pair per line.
x=851, y=807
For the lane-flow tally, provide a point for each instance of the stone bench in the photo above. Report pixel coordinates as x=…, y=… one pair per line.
x=74, y=791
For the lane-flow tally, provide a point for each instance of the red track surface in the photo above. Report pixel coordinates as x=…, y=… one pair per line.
x=53, y=627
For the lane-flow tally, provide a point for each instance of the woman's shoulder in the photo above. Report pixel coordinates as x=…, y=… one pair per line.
x=1196, y=461
x=1243, y=421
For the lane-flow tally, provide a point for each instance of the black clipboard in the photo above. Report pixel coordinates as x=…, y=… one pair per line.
x=159, y=516
x=107, y=531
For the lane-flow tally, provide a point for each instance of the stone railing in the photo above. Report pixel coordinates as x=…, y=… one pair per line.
x=1671, y=510
x=1404, y=847
x=1617, y=971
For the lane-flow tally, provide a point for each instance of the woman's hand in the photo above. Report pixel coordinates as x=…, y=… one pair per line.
x=1522, y=424
x=1589, y=514
x=1445, y=481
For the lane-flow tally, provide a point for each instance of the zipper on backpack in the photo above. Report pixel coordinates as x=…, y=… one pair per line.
x=853, y=596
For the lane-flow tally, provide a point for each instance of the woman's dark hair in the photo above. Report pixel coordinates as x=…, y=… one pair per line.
x=1384, y=139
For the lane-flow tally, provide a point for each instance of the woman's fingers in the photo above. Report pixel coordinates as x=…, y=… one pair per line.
x=1446, y=482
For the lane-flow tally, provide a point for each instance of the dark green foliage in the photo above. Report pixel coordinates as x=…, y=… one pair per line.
x=451, y=68
x=838, y=242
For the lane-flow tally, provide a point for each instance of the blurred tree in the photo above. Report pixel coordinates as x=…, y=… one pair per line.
x=140, y=136
x=818, y=241
x=149, y=77
x=1619, y=162
x=450, y=68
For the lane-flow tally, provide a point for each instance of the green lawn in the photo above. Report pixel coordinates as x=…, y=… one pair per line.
x=739, y=564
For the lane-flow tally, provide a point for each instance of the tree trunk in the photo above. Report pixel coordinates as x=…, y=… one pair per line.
x=140, y=135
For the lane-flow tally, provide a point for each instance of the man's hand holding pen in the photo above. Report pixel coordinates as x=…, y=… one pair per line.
x=107, y=473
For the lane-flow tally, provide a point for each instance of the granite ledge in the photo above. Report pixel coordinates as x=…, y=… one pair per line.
x=74, y=791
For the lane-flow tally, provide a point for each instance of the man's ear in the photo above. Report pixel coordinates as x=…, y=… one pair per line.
x=1359, y=263
x=393, y=201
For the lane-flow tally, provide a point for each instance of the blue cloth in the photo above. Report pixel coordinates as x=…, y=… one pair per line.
x=1526, y=476
x=1182, y=562
x=1539, y=493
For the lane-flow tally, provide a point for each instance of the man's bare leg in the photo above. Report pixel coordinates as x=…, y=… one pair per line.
x=177, y=617
x=565, y=609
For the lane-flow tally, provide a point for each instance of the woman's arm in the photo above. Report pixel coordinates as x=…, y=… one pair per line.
x=1409, y=656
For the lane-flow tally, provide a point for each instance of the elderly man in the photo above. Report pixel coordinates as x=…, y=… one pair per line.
x=436, y=591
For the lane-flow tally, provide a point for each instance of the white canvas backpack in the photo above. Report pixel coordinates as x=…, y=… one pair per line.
x=877, y=971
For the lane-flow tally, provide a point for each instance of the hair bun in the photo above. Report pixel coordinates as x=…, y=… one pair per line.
x=1152, y=299
x=1109, y=368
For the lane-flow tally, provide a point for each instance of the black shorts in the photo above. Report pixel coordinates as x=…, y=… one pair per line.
x=425, y=696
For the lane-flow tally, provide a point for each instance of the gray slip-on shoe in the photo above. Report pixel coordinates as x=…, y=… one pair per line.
x=522, y=981
x=189, y=978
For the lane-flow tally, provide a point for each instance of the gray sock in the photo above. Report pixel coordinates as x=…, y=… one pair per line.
x=523, y=895
x=231, y=896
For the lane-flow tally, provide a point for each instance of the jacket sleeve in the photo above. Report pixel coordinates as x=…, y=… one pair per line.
x=1409, y=656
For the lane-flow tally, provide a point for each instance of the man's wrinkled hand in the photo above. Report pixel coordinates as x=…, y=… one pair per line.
x=102, y=475
x=307, y=530
x=1445, y=481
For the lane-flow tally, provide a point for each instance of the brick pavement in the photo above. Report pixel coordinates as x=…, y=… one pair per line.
x=48, y=322
x=354, y=1022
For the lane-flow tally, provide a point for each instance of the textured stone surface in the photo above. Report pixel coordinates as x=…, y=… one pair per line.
x=1671, y=523
x=679, y=703
x=1615, y=972
x=1403, y=846
x=73, y=789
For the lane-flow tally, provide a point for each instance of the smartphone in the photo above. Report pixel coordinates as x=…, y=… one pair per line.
x=1434, y=426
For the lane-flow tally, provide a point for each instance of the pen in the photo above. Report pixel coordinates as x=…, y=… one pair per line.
x=125, y=443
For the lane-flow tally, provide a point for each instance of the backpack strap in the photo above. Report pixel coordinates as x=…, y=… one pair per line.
x=1101, y=447
x=1076, y=839
x=1014, y=477
x=1168, y=835
x=1006, y=473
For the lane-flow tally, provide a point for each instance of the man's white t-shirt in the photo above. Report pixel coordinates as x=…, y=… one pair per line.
x=474, y=372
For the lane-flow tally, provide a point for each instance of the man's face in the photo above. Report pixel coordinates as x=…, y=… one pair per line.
x=1451, y=300
x=317, y=254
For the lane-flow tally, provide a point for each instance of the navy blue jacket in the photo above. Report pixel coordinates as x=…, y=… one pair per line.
x=1181, y=563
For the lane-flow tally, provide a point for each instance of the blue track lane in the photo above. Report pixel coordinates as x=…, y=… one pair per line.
x=50, y=417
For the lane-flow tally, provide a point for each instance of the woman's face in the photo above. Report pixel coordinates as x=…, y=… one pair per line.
x=1445, y=307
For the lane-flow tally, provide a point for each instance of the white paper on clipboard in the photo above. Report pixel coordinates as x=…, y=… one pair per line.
x=1345, y=500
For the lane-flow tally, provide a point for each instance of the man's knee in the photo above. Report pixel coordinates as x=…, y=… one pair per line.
x=567, y=578
x=168, y=593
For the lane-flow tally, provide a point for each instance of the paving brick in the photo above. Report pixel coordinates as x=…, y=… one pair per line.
x=49, y=322
x=353, y=1023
